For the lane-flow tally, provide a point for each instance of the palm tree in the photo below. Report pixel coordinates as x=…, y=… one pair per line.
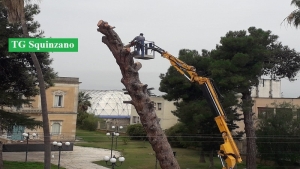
x=83, y=105
x=294, y=16
x=83, y=101
x=16, y=13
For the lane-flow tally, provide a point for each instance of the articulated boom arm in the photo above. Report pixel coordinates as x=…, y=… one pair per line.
x=181, y=67
x=228, y=150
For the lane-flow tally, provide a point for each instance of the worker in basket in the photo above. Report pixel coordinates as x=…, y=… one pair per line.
x=139, y=43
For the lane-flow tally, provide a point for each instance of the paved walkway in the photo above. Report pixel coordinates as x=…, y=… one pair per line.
x=79, y=158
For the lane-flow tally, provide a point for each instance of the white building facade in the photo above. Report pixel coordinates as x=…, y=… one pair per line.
x=163, y=109
x=267, y=88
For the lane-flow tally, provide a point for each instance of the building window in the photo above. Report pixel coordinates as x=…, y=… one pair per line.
x=298, y=114
x=58, y=99
x=284, y=112
x=158, y=106
x=56, y=127
x=154, y=104
x=265, y=112
x=135, y=119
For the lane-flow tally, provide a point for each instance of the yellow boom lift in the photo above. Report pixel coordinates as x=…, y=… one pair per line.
x=228, y=153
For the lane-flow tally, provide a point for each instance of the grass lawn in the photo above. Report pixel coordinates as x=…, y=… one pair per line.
x=24, y=165
x=139, y=154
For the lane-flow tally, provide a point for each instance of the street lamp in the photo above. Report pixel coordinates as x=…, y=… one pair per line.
x=26, y=136
x=117, y=133
x=59, y=145
x=113, y=161
x=112, y=134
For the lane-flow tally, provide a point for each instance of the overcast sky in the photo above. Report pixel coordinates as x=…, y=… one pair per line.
x=172, y=24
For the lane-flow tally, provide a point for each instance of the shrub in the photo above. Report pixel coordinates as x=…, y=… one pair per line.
x=90, y=123
x=136, y=132
x=175, y=135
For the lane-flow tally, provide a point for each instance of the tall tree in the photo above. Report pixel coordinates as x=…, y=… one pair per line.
x=18, y=75
x=240, y=59
x=139, y=95
x=192, y=107
x=294, y=17
x=83, y=105
x=278, y=134
x=16, y=14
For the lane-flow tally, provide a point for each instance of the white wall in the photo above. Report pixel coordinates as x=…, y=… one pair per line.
x=267, y=88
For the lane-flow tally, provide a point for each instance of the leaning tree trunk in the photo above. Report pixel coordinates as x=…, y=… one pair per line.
x=202, y=157
x=46, y=130
x=211, y=159
x=247, y=104
x=140, y=98
x=1, y=157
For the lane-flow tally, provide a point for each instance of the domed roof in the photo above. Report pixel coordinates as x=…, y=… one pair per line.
x=109, y=103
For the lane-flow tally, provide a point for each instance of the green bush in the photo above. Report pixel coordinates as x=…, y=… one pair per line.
x=136, y=132
x=90, y=123
x=176, y=135
x=80, y=117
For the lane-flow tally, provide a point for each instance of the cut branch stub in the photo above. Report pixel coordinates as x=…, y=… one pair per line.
x=127, y=102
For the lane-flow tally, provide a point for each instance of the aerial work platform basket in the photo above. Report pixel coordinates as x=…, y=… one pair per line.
x=148, y=52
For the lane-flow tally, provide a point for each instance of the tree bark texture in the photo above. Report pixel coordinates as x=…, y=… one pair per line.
x=1, y=157
x=139, y=95
x=46, y=130
x=202, y=157
x=247, y=104
x=211, y=159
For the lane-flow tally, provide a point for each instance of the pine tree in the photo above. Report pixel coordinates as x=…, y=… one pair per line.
x=21, y=73
x=192, y=108
x=240, y=59
x=18, y=75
